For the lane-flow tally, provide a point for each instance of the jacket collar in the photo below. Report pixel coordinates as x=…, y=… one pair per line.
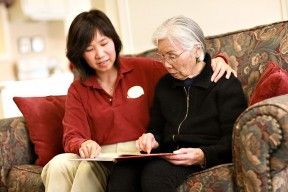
x=203, y=79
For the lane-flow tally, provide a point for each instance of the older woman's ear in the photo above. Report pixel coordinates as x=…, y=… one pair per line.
x=199, y=53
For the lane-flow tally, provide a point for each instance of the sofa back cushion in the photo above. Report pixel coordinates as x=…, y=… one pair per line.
x=43, y=116
x=250, y=50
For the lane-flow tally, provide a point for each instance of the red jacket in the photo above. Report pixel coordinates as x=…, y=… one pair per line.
x=90, y=113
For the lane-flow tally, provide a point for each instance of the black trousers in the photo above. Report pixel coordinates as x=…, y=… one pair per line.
x=148, y=176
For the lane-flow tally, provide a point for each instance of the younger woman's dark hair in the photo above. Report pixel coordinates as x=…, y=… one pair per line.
x=80, y=35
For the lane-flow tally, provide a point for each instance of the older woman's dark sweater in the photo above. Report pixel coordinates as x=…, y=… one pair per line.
x=197, y=113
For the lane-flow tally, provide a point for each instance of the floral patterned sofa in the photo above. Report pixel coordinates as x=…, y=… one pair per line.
x=260, y=137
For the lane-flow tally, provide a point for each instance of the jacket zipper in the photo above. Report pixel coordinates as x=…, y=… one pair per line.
x=187, y=110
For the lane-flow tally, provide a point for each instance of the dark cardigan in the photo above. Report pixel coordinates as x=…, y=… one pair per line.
x=211, y=110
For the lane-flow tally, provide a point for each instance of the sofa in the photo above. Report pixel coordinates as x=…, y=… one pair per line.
x=260, y=136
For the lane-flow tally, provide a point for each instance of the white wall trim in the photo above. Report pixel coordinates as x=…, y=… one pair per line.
x=6, y=54
x=284, y=9
x=125, y=26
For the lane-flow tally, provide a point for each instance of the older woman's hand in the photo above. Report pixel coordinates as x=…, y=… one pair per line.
x=187, y=156
x=89, y=149
x=146, y=143
x=219, y=67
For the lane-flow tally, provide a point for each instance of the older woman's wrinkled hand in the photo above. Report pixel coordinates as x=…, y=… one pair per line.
x=146, y=143
x=187, y=156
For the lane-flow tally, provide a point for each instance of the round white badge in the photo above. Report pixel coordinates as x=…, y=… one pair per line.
x=135, y=92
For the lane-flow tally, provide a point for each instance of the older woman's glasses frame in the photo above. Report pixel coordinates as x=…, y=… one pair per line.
x=169, y=57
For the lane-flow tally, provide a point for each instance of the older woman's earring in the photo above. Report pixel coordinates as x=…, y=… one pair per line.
x=197, y=60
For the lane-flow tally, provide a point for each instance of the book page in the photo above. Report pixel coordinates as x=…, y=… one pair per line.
x=118, y=157
x=101, y=157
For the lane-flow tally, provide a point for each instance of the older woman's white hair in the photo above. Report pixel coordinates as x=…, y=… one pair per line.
x=184, y=31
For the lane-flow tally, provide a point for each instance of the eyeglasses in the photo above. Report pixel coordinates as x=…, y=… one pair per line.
x=169, y=57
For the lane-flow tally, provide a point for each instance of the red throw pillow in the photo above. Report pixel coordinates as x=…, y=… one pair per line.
x=44, y=116
x=273, y=82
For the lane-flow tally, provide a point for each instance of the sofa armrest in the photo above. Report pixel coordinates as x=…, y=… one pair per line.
x=15, y=146
x=217, y=178
x=260, y=145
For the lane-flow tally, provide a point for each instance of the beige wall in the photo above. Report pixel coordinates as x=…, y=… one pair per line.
x=54, y=45
x=215, y=17
x=136, y=20
x=17, y=26
x=4, y=34
x=51, y=32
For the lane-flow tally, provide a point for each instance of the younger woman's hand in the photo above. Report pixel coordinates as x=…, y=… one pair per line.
x=219, y=67
x=89, y=149
x=146, y=143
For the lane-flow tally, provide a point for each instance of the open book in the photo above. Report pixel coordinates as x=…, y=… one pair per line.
x=119, y=157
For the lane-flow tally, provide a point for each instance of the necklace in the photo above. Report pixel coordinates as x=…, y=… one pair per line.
x=108, y=84
x=107, y=88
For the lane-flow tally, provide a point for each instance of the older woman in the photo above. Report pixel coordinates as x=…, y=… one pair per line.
x=191, y=116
